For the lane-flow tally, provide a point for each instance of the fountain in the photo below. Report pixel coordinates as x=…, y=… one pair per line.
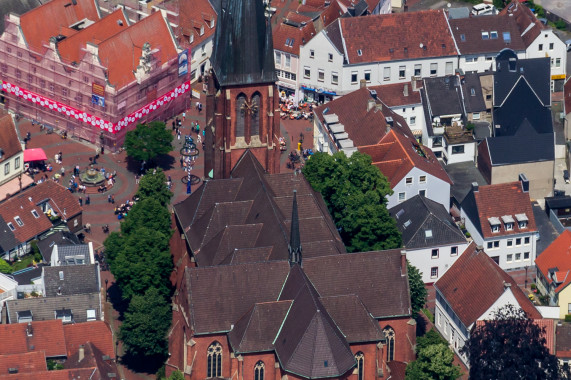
x=91, y=177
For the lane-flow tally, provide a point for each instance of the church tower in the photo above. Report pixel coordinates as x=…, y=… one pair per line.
x=242, y=104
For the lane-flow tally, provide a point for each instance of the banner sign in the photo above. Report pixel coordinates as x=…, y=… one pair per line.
x=183, y=63
x=97, y=89
x=195, y=93
x=91, y=119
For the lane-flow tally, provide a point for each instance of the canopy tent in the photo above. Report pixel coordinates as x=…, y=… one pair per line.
x=36, y=154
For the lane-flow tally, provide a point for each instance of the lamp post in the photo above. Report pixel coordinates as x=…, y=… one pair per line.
x=106, y=288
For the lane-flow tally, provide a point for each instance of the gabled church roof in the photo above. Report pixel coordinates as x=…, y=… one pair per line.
x=243, y=49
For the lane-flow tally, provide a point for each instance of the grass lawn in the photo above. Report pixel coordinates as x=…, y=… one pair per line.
x=26, y=262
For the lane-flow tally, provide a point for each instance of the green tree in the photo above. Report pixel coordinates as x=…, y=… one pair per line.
x=418, y=291
x=154, y=186
x=510, y=346
x=148, y=213
x=434, y=362
x=430, y=338
x=355, y=193
x=147, y=320
x=141, y=261
x=148, y=141
x=176, y=375
x=5, y=267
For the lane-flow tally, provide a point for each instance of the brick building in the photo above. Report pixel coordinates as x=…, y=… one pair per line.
x=242, y=101
x=93, y=77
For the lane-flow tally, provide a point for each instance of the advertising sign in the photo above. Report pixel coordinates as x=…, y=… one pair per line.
x=97, y=89
x=183, y=63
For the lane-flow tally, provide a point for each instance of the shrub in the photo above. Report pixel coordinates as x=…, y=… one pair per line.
x=468, y=234
x=568, y=318
x=533, y=286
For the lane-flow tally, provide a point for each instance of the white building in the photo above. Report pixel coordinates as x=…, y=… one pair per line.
x=471, y=291
x=11, y=151
x=372, y=49
x=432, y=240
x=500, y=219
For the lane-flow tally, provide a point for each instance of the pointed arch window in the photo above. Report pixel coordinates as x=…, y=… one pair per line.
x=390, y=336
x=259, y=371
x=240, y=115
x=214, y=364
x=360, y=359
x=256, y=103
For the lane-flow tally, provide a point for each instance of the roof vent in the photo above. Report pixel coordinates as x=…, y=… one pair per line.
x=120, y=22
x=373, y=93
x=12, y=370
x=389, y=120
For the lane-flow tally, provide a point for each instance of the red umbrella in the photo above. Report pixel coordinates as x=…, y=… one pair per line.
x=36, y=154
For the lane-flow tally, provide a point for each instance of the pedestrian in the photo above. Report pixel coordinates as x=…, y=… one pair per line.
x=136, y=178
x=57, y=158
x=204, y=132
x=62, y=171
x=102, y=149
x=80, y=201
x=109, y=198
x=112, y=199
x=181, y=162
x=60, y=157
x=87, y=200
x=178, y=135
x=28, y=136
x=183, y=116
x=173, y=125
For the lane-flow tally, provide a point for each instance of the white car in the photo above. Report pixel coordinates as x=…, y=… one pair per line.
x=483, y=9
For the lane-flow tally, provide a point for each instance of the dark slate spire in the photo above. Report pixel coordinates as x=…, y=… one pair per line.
x=294, y=246
x=243, y=50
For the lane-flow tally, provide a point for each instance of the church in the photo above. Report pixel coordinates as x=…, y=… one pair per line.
x=265, y=288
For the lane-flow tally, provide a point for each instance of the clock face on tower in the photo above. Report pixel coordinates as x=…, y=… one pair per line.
x=249, y=108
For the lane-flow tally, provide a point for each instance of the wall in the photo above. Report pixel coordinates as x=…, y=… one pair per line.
x=436, y=189
x=559, y=51
x=564, y=299
x=422, y=259
x=468, y=156
x=15, y=167
x=506, y=298
x=201, y=58
x=450, y=327
x=481, y=62
x=540, y=175
x=504, y=250
x=405, y=337
x=291, y=69
x=412, y=111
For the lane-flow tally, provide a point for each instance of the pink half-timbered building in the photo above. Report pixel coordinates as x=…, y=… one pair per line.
x=64, y=65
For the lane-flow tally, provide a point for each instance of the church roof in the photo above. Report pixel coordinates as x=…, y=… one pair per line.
x=243, y=49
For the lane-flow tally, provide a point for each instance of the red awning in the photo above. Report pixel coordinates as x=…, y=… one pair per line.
x=36, y=154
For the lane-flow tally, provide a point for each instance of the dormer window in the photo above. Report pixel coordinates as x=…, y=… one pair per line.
x=494, y=35
x=508, y=222
x=494, y=224
x=211, y=23
x=11, y=226
x=201, y=30
x=485, y=36
x=359, y=52
x=522, y=221
x=19, y=221
x=35, y=214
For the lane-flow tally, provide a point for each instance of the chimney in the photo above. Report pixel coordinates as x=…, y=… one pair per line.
x=507, y=285
x=371, y=104
x=475, y=187
x=362, y=83
x=29, y=329
x=403, y=262
x=524, y=183
x=81, y=353
x=405, y=90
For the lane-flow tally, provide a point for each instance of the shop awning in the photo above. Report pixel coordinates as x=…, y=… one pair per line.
x=36, y=154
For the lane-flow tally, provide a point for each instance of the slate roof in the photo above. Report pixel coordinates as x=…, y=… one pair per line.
x=380, y=38
x=474, y=282
x=20, y=205
x=9, y=140
x=58, y=238
x=536, y=72
x=243, y=49
x=463, y=174
x=93, y=360
x=472, y=27
x=529, y=26
x=38, y=33
x=397, y=154
x=25, y=276
x=333, y=34
x=24, y=362
x=444, y=96
x=363, y=125
x=425, y=223
x=98, y=333
x=563, y=340
x=508, y=150
x=77, y=279
x=17, y=7
x=496, y=201
x=251, y=210
x=473, y=96
x=7, y=238
x=554, y=263
x=47, y=337
x=73, y=252
x=43, y=309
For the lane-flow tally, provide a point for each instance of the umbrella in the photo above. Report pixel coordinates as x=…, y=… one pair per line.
x=36, y=154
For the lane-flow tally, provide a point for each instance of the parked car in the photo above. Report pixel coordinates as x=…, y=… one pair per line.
x=483, y=9
x=568, y=44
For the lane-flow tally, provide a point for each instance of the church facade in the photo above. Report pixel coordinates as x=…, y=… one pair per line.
x=242, y=104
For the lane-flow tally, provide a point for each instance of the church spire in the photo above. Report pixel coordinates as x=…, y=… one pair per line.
x=294, y=246
x=243, y=49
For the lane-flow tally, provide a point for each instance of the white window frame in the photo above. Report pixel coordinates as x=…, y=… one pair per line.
x=330, y=57
x=311, y=53
x=278, y=58
x=402, y=196
x=321, y=75
x=432, y=274
x=307, y=72
x=367, y=76
x=402, y=72
x=408, y=180
x=435, y=253
x=334, y=77
x=452, y=249
x=355, y=75
x=433, y=69
x=509, y=258
x=386, y=73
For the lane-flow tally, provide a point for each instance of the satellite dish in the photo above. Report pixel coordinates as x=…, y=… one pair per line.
x=421, y=45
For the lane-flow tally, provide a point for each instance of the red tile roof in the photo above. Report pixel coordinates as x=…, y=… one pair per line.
x=47, y=336
x=474, y=282
x=20, y=205
x=9, y=141
x=524, y=18
x=72, y=48
x=194, y=15
x=63, y=374
x=96, y=332
x=61, y=14
x=563, y=341
x=502, y=200
x=397, y=154
x=121, y=66
x=25, y=362
x=557, y=255
x=284, y=32
x=393, y=95
x=382, y=38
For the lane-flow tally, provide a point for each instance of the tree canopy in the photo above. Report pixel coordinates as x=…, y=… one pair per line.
x=154, y=186
x=434, y=362
x=148, y=141
x=149, y=213
x=5, y=267
x=510, y=346
x=147, y=321
x=418, y=291
x=355, y=193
